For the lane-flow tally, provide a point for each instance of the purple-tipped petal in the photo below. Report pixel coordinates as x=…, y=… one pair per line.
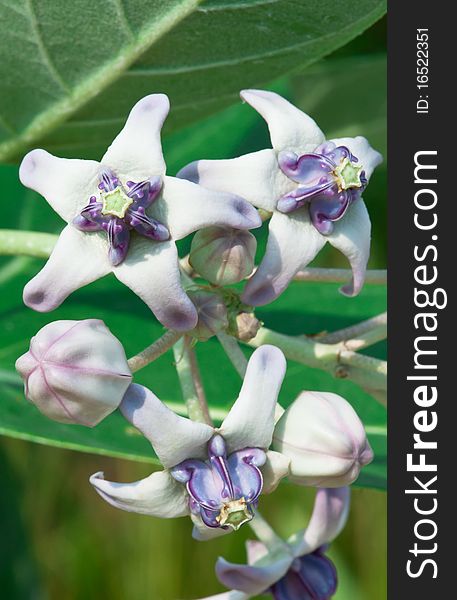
x=146, y=226
x=186, y=207
x=144, y=193
x=159, y=495
x=351, y=235
x=252, y=579
x=325, y=209
x=118, y=240
x=250, y=422
x=65, y=183
x=309, y=169
x=290, y=128
x=137, y=151
x=203, y=483
x=174, y=438
x=313, y=577
x=151, y=270
x=77, y=259
x=85, y=225
x=293, y=242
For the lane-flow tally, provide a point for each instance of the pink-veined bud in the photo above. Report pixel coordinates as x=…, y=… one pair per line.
x=324, y=439
x=223, y=255
x=212, y=314
x=75, y=371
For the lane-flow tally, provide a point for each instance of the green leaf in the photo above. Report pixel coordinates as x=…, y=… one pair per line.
x=71, y=70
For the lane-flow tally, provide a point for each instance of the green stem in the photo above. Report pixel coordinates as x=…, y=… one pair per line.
x=153, y=351
x=333, y=358
x=363, y=334
x=234, y=352
x=190, y=381
x=373, y=276
x=27, y=243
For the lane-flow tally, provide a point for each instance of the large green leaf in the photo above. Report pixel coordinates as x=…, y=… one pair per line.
x=71, y=69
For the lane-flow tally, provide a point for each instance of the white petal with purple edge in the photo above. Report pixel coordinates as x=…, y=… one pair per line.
x=330, y=513
x=351, y=236
x=252, y=579
x=77, y=259
x=136, y=152
x=293, y=242
x=255, y=177
x=67, y=184
x=231, y=595
x=359, y=146
x=151, y=270
x=186, y=207
x=275, y=469
x=290, y=128
x=250, y=422
x=159, y=495
x=173, y=438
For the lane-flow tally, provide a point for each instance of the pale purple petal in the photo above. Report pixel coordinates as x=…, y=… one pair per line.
x=231, y=595
x=255, y=177
x=77, y=259
x=252, y=579
x=351, y=236
x=136, y=152
x=66, y=183
x=174, y=438
x=293, y=242
x=250, y=422
x=246, y=477
x=290, y=128
x=203, y=484
x=330, y=514
x=186, y=207
x=159, y=495
x=151, y=270
x=313, y=578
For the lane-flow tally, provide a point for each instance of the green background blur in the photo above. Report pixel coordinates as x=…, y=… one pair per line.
x=58, y=539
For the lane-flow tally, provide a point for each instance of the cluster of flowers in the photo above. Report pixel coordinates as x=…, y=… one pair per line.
x=124, y=216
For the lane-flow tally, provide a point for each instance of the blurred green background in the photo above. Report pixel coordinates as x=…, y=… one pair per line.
x=58, y=538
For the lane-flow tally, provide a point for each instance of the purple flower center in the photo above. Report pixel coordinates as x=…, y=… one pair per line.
x=311, y=577
x=329, y=180
x=120, y=209
x=223, y=490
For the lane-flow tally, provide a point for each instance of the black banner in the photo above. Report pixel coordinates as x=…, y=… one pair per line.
x=422, y=237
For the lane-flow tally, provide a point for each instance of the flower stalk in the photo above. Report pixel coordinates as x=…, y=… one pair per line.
x=152, y=352
x=234, y=352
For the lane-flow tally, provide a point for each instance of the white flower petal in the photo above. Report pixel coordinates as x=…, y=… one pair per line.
x=151, y=270
x=159, y=495
x=290, y=128
x=186, y=207
x=360, y=147
x=77, y=259
x=203, y=533
x=330, y=513
x=255, y=177
x=275, y=469
x=136, y=152
x=352, y=235
x=250, y=422
x=252, y=579
x=293, y=242
x=173, y=438
x=67, y=184
x=231, y=595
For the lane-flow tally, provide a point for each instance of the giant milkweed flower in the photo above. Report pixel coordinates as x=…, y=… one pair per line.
x=215, y=475
x=312, y=186
x=124, y=216
x=294, y=570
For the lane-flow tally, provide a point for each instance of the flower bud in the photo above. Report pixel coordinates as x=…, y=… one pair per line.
x=75, y=371
x=212, y=314
x=222, y=255
x=247, y=326
x=324, y=439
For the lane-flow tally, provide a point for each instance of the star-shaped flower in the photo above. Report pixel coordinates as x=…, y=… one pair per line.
x=297, y=569
x=124, y=216
x=312, y=186
x=214, y=474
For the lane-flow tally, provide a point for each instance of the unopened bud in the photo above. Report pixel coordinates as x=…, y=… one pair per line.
x=324, y=439
x=247, y=326
x=75, y=371
x=223, y=255
x=212, y=314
